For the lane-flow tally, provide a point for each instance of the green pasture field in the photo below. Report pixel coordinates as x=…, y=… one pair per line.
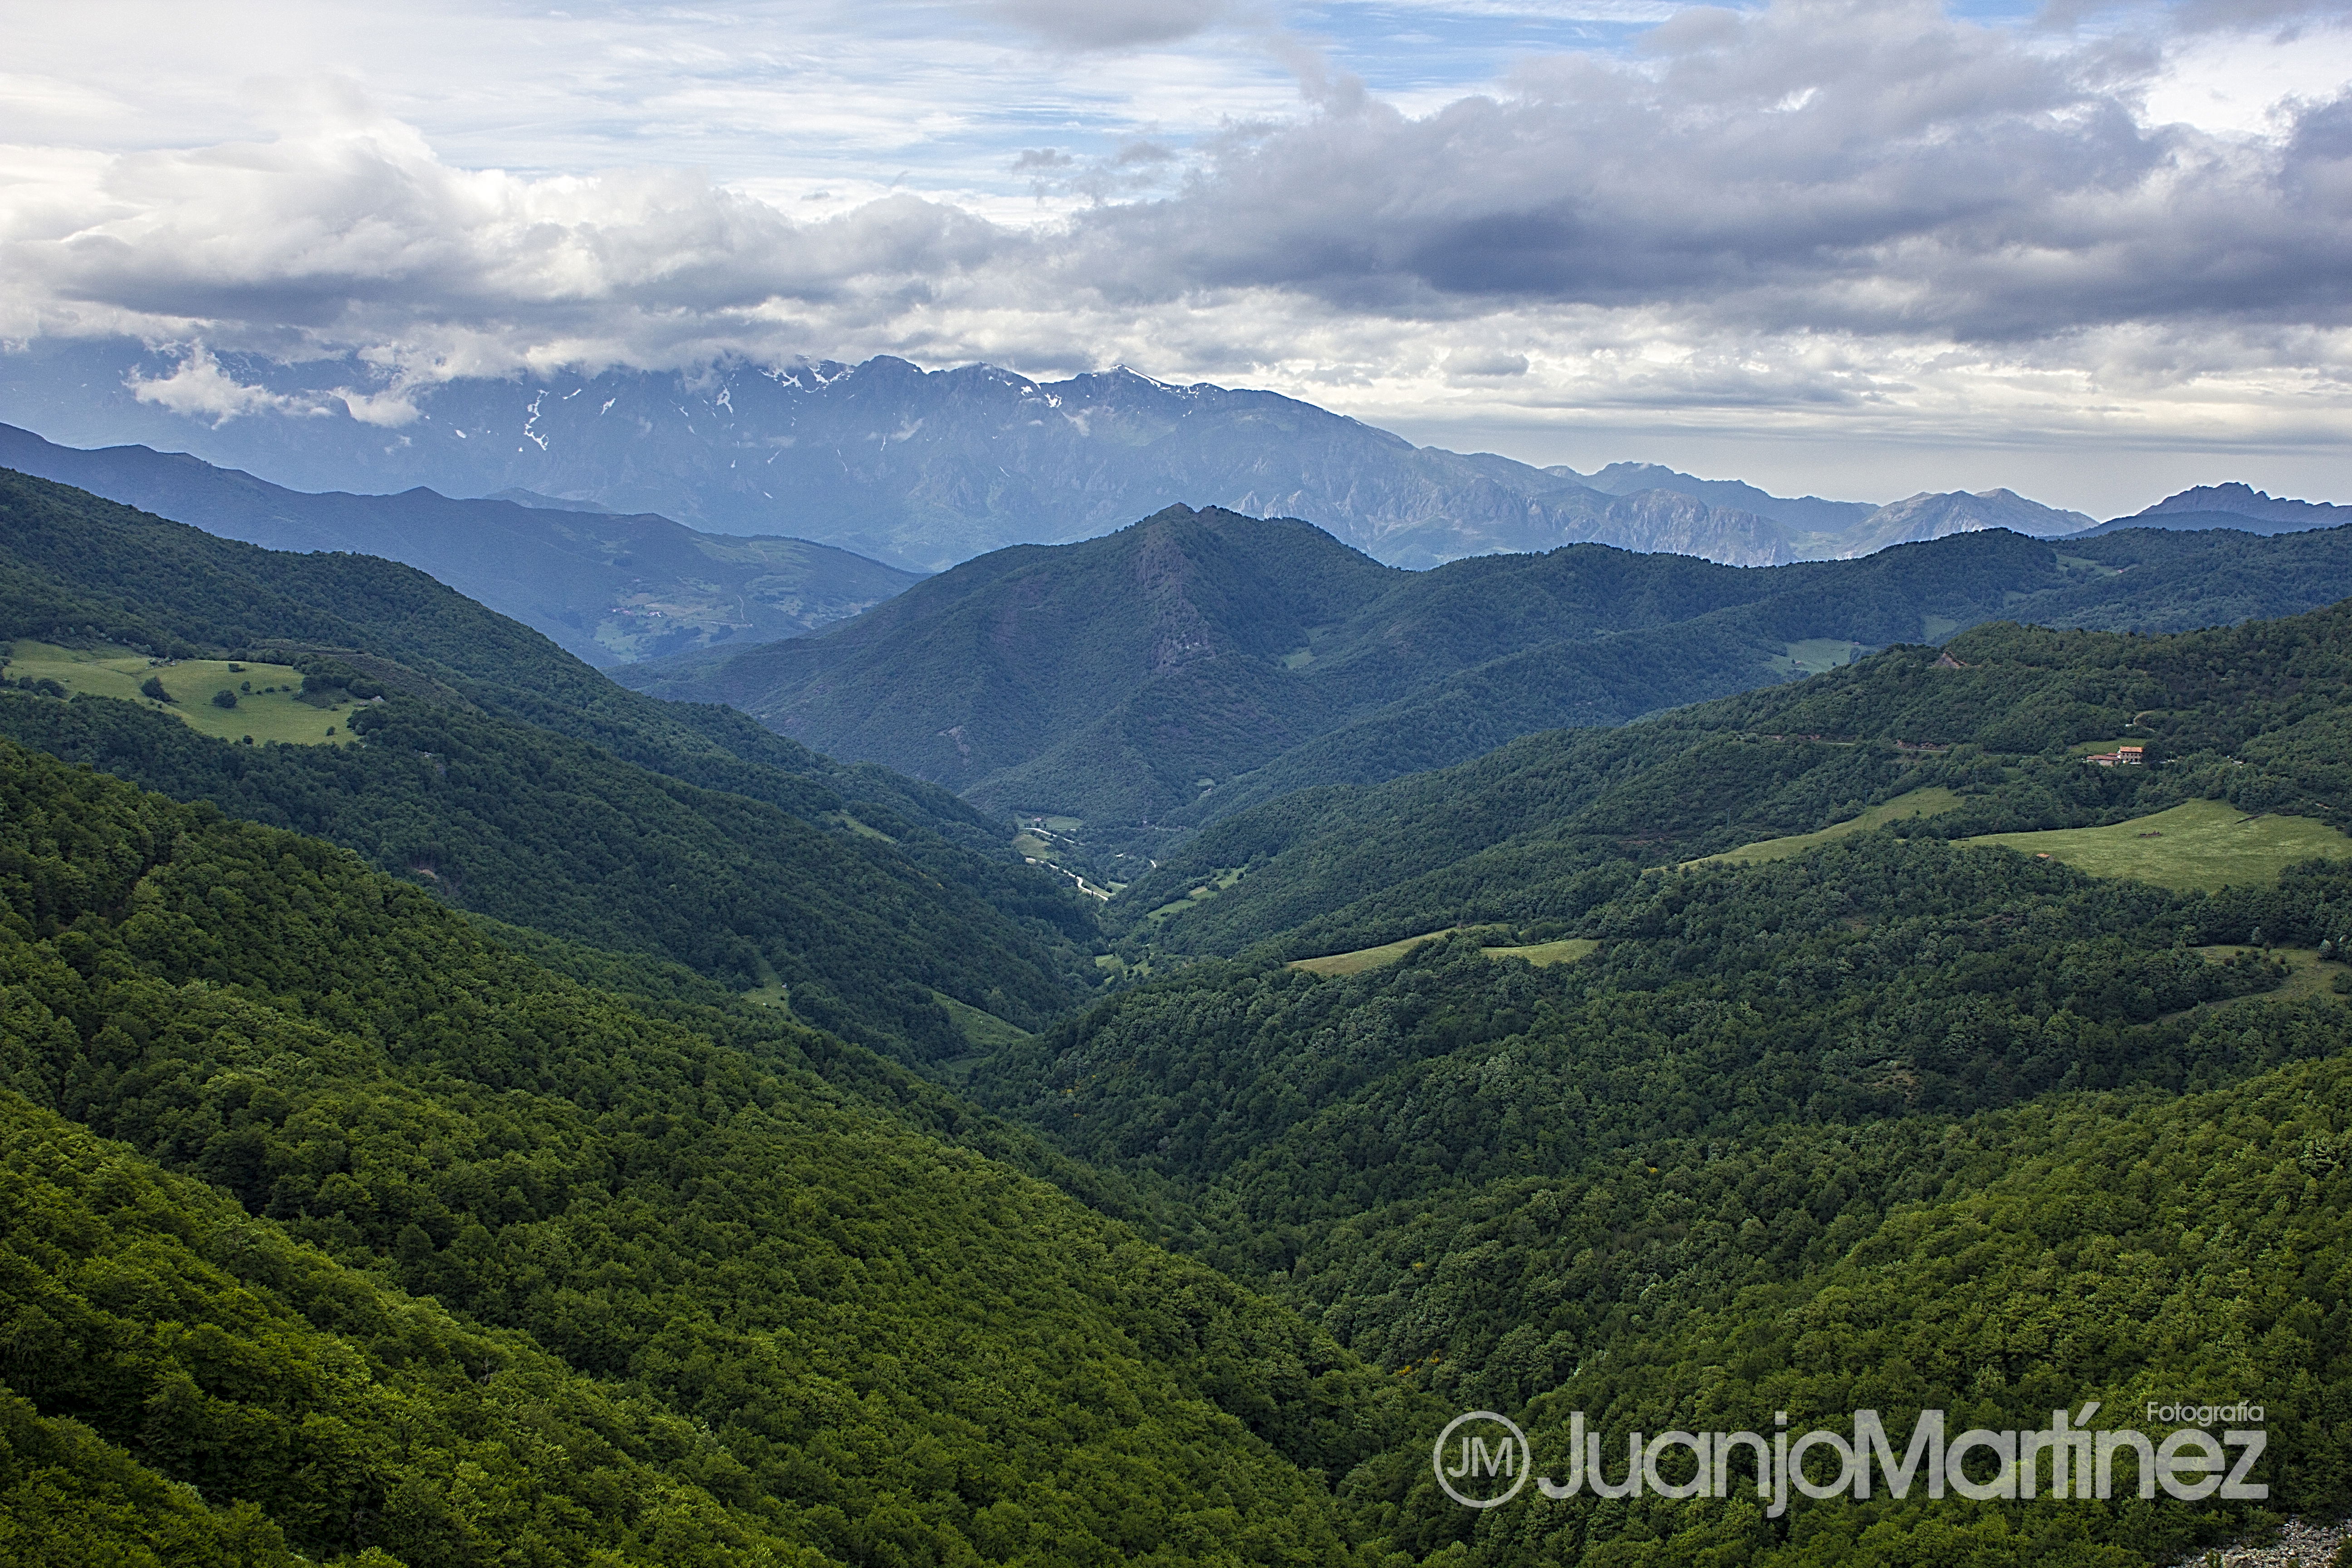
x=2206, y=844
x=1919, y=802
x=1218, y=881
x=268, y=711
x=983, y=1029
x=1813, y=656
x=1365, y=958
x=1567, y=950
x=2308, y=975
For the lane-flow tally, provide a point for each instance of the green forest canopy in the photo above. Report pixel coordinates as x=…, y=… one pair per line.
x=347, y=1225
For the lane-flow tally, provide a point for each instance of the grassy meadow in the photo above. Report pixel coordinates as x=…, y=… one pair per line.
x=1919, y=802
x=267, y=708
x=1812, y=656
x=1365, y=958
x=2206, y=844
x=983, y=1029
x=1567, y=950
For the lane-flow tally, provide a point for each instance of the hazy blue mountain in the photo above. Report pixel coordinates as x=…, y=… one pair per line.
x=924, y=469
x=1805, y=514
x=607, y=588
x=2240, y=507
x=522, y=497
x=1818, y=529
x=1930, y=515
x=921, y=469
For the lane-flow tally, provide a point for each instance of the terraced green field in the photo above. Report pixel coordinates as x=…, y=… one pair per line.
x=2206, y=844
x=267, y=709
x=1919, y=802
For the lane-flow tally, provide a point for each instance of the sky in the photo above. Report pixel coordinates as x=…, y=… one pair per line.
x=2091, y=252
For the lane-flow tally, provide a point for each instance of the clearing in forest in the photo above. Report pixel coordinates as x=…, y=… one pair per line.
x=2207, y=844
x=1565, y=951
x=1919, y=802
x=267, y=708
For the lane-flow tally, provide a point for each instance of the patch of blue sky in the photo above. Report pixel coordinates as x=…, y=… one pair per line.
x=1409, y=48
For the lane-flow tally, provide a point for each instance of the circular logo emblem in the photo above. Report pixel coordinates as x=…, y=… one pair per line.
x=1481, y=1459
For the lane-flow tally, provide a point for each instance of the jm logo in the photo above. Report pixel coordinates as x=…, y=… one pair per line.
x=1481, y=1459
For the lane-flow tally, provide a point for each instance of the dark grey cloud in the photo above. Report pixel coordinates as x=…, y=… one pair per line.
x=1806, y=205
x=1851, y=167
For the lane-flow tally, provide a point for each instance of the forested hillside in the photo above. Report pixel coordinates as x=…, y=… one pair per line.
x=1546, y=827
x=1738, y=1069
x=507, y=777
x=1169, y=675
x=1892, y=1120
x=690, y=1301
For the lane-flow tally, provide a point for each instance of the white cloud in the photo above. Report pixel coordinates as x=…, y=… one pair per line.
x=1816, y=215
x=198, y=388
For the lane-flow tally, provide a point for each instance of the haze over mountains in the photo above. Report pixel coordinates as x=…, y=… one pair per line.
x=1199, y=660
x=607, y=588
x=2234, y=506
x=924, y=469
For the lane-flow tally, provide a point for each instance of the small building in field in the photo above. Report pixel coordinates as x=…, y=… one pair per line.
x=2121, y=757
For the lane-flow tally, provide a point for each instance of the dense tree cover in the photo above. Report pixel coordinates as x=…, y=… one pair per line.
x=537, y=830
x=339, y=1414
x=1499, y=1181
x=518, y=1247
x=1201, y=662
x=887, y=1349
x=1543, y=828
x=74, y=566
x=2125, y=1253
x=512, y=780
x=1875, y=977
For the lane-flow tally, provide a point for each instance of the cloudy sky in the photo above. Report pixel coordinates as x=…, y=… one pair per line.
x=2093, y=252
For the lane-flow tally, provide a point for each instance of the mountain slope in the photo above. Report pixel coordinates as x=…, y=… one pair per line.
x=1801, y=514
x=1890, y=1120
x=1925, y=516
x=1177, y=670
x=927, y=469
x=2236, y=506
x=606, y=589
x=691, y=1303
x=918, y=468
x=543, y=795
x=1553, y=823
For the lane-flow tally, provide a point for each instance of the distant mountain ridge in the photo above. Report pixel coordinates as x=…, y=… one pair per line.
x=607, y=589
x=924, y=469
x=1159, y=677
x=2247, y=502
x=1804, y=513
x=2233, y=506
